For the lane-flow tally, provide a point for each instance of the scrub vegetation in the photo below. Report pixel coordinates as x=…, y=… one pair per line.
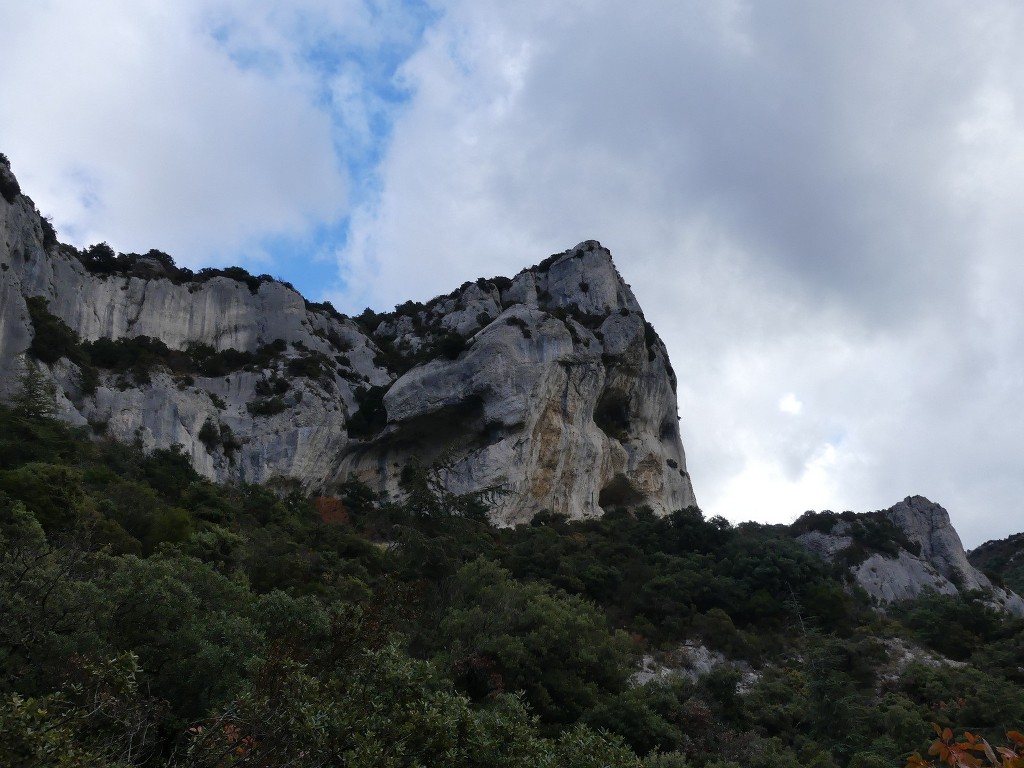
x=152, y=618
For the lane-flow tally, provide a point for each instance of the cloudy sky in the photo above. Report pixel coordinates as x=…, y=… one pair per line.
x=816, y=203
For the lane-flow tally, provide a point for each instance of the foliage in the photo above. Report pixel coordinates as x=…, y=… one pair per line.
x=371, y=417
x=100, y=259
x=555, y=647
x=140, y=355
x=36, y=396
x=209, y=434
x=151, y=618
x=52, y=339
x=968, y=750
x=1002, y=561
x=266, y=406
x=956, y=626
x=872, y=532
x=9, y=186
x=385, y=710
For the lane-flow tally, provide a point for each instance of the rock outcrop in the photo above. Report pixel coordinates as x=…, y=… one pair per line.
x=898, y=553
x=547, y=391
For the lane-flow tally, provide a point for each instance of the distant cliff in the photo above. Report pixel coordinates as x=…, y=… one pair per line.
x=548, y=390
x=900, y=552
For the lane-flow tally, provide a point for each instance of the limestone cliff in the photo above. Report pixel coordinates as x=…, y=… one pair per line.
x=547, y=391
x=898, y=553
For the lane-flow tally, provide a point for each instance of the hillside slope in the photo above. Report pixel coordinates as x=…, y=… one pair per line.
x=1002, y=559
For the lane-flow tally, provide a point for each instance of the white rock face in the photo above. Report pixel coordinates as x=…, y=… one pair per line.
x=928, y=525
x=940, y=566
x=824, y=545
x=548, y=391
x=301, y=443
x=562, y=401
x=901, y=578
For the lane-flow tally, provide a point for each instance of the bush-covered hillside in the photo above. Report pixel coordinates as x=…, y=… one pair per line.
x=152, y=618
x=1002, y=560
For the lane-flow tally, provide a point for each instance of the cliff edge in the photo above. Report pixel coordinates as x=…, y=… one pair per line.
x=546, y=391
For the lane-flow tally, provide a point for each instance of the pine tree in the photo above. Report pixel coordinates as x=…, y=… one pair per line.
x=37, y=396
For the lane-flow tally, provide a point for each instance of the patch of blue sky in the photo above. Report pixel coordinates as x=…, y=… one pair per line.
x=837, y=438
x=371, y=71
x=356, y=82
x=307, y=261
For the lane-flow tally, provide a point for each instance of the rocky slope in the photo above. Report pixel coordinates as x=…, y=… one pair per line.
x=545, y=391
x=898, y=553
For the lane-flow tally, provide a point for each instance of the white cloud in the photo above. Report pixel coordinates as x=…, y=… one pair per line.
x=198, y=128
x=764, y=491
x=789, y=404
x=800, y=196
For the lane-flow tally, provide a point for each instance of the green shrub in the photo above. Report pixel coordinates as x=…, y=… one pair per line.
x=275, y=385
x=450, y=346
x=267, y=406
x=9, y=187
x=371, y=417
x=332, y=337
x=522, y=325
x=209, y=435
x=312, y=365
x=52, y=338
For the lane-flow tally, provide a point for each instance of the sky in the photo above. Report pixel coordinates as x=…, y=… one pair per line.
x=816, y=202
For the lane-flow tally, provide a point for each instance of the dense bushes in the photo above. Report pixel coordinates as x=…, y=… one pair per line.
x=153, y=618
x=502, y=635
x=1002, y=561
x=52, y=338
x=198, y=659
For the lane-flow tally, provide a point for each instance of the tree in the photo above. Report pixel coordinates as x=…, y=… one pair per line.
x=36, y=398
x=385, y=710
x=100, y=720
x=555, y=647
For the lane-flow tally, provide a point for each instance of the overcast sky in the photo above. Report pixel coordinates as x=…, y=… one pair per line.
x=816, y=203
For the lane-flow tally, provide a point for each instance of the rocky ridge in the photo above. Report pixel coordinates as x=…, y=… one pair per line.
x=548, y=390
x=898, y=553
